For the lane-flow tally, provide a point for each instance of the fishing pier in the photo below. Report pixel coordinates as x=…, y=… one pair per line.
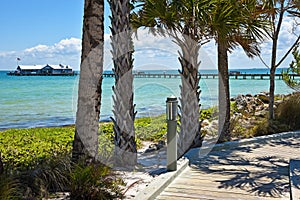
x=206, y=76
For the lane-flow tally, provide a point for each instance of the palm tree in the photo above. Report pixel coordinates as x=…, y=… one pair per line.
x=277, y=10
x=123, y=109
x=232, y=23
x=85, y=143
x=182, y=21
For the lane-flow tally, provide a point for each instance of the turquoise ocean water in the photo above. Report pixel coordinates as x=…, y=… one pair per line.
x=37, y=101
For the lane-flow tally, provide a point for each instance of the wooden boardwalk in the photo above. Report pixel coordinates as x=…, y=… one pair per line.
x=254, y=171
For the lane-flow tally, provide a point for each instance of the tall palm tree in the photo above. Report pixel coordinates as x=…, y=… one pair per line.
x=277, y=10
x=182, y=21
x=85, y=143
x=123, y=109
x=232, y=23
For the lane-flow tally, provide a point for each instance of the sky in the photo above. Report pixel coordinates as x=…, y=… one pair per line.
x=50, y=31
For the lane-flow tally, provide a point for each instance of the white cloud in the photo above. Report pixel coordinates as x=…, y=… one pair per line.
x=39, y=48
x=151, y=52
x=155, y=52
x=66, y=51
x=238, y=59
x=287, y=37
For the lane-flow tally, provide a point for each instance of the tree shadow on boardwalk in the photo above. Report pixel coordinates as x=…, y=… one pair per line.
x=257, y=172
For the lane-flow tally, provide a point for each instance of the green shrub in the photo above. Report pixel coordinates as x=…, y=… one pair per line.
x=288, y=112
x=50, y=176
x=94, y=181
x=9, y=187
x=146, y=129
x=267, y=127
x=209, y=113
x=151, y=128
x=39, y=158
x=236, y=129
x=23, y=149
x=262, y=128
x=106, y=140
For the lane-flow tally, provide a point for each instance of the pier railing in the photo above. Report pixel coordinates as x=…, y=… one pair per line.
x=206, y=76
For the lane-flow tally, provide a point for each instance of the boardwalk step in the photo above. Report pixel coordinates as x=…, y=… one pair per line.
x=295, y=179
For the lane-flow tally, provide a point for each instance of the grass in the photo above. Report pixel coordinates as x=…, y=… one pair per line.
x=27, y=148
x=94, y=181
x=151, y=129
x=37, y=161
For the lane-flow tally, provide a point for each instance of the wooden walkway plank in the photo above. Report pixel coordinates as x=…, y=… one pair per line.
x=254, y=171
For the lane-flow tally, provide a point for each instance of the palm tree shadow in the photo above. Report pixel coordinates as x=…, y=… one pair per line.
x=295, y=173
x=265, y=176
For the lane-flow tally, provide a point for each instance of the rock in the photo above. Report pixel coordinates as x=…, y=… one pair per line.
x=241, y=101
x=211, y=129
x=260, y=107
x=205, y=123
x=278, y=102
x=248, y=95
x=259, y=102
x=214, y=123
x=161, y=144
x=261, y=113
x=155, y=147
x=150, y=149
x=240, y=108
x=263, y=97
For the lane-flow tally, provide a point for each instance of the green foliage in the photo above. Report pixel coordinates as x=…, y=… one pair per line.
x=39, y=158
x=94, y=182
x=233, y=107
x=50, y=176
x=288, y=112
x=236, y=129
x=209, y=114
x=37, y=182
x=27, y=148
x=293, y=69
x=106, y=139
x=151, y=128
x=267, y=127
x=146, y=129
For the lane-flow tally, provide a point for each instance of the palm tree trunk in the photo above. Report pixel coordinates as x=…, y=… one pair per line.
x=190, y=125
x=224, y=94
x=123, y=109
x=272, y=94
x=274, y=57
x=85, y=144
x=272, y=78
